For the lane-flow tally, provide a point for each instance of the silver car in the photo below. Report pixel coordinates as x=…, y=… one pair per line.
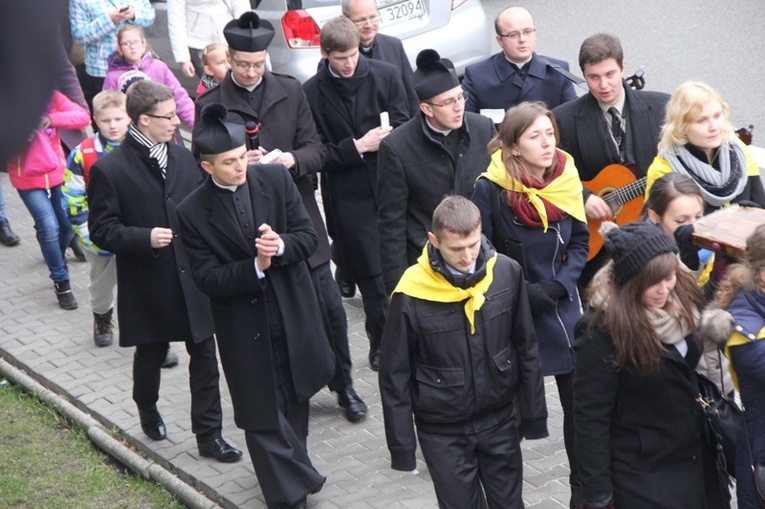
x=457, y=29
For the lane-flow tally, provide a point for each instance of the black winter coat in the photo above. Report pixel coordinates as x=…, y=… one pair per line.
x=640, y=437
x=158, y=300
x=434, y=373
x=349, y=179
x=414, y=173
x=223, y=265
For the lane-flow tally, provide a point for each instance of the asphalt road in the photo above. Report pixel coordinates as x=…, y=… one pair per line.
x=719, y=42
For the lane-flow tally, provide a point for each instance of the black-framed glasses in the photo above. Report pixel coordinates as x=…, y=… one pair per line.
x=449, y=103
x=374, y=18
x=165, y=117
x=517, y=35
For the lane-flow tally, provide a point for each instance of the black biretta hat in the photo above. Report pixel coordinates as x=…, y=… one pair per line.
x=434, y=75
x=217, y=131
x=249, y=33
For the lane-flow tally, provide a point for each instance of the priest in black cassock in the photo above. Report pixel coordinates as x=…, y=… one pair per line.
x=248, y=237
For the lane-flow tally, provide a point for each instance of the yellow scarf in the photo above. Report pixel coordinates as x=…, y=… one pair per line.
x=565, y=192
x=422, y=282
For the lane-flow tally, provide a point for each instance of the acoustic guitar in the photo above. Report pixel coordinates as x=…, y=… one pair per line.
x=625, y=194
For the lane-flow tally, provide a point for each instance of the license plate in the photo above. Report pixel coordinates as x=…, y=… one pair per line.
x=401, y=12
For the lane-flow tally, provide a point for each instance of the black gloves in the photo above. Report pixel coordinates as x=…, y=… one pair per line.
x=544, y=294
x=689, y=253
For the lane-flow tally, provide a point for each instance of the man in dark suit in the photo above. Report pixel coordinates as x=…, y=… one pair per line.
x=373, y=44
x=248, y=237
x=439, y=152
x=517, y=73
x=133, y=193
x=612, y=124
x=285, y=125
x=347, y=96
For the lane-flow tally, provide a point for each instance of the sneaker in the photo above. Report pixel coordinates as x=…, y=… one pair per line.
x=65, y=296
x=102, y=329
x=171, y=360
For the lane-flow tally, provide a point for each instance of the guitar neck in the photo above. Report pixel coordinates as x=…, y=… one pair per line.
x=622, y=195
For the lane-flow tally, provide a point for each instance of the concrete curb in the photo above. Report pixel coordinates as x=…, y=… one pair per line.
x=106, y=442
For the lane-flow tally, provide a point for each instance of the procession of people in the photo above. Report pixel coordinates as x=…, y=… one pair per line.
x=487, y=256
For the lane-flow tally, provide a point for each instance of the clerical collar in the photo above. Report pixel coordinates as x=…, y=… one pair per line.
x=249, y=89
x=439, y=131
x=332, y=71
x=519, y=64
x=221, y=186
x=619, y=106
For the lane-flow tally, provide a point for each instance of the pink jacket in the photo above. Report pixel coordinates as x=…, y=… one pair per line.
x=157, y=71
x=63, y=113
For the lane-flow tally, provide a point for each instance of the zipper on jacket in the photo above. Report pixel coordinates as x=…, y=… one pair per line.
x=555, y=257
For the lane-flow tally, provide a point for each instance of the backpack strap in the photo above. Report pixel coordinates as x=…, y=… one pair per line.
x=89, y=157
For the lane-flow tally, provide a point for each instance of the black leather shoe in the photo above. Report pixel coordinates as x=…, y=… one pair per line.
x=354, y=408
x=347, y=289
x=374, y=359
x=220, y=450
x=152, y=424
x=7, y=237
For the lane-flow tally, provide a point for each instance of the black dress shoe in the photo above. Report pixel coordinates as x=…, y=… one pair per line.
x=354, y=408
x=7, y=237
x=152, y=424
x=220, y=450
x=374, y=359
x=347, y=289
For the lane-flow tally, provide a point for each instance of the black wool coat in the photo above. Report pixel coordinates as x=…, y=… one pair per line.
x=349, y=179
x=223, y=265
x=390, y=49
x=158, y=300
x=286, y=124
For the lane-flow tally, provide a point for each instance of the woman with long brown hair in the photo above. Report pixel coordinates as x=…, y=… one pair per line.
x=639, y=429
x=532, y=210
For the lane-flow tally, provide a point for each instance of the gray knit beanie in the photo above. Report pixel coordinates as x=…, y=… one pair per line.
x=633, y=245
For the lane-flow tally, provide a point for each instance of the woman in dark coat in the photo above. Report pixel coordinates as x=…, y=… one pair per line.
x=532, y=210
x=639, y=429
x=742, y=292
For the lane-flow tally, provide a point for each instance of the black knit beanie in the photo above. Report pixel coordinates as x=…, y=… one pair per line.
x=633, y=245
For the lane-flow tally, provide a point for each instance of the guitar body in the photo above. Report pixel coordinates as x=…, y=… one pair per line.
x=617, y=185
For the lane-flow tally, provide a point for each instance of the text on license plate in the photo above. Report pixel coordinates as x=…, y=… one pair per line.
x=400, y=12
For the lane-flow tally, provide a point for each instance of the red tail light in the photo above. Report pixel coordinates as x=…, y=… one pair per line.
x=300, y=30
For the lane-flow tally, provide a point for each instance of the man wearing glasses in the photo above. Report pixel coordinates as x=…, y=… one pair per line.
x=347, y=95
x=517, y=73
x=133, y=192
x=439, y=152
x=383, y=47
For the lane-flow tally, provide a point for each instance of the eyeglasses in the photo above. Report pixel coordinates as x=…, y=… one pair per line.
x=517, y=35
x=449, y=103
x=246, y=65
x=168, y=117
x=371, y=20
x=130, y=44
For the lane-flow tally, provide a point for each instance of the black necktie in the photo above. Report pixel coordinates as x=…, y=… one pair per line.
x=616, y=129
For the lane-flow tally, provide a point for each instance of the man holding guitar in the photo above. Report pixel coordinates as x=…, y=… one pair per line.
x=612, y=124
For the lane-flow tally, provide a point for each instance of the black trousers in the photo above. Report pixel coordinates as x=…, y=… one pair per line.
x=476, y=470
x=206, y=414
x=280, y=458
x=336, y=325
x=565, y=385
x=375, y=302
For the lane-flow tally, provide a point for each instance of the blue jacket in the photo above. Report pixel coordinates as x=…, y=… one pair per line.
x=556, y=255
x=494, y=83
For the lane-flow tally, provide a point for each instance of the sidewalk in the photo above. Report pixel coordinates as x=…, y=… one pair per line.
x=55, y=347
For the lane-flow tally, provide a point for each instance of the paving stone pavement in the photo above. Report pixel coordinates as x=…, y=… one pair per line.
x=56, y=347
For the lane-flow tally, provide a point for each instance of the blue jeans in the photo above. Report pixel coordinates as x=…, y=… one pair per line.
x=54, y=231
x=3, y=215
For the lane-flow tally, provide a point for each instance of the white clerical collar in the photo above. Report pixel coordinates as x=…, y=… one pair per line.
x=249, y=89
x=221, y=186
x=521, y=63
x=332, y=71
x=445, y=133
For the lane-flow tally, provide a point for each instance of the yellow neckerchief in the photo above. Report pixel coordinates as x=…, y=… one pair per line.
x=422, y=282
x=565, y=192
x=738, y=339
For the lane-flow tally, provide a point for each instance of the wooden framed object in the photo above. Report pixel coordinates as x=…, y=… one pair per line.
x=728, y=229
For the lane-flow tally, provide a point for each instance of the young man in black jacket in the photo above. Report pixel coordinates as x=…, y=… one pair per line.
x=458, y=345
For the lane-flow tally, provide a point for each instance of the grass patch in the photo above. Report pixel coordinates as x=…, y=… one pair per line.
x=47, y=463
